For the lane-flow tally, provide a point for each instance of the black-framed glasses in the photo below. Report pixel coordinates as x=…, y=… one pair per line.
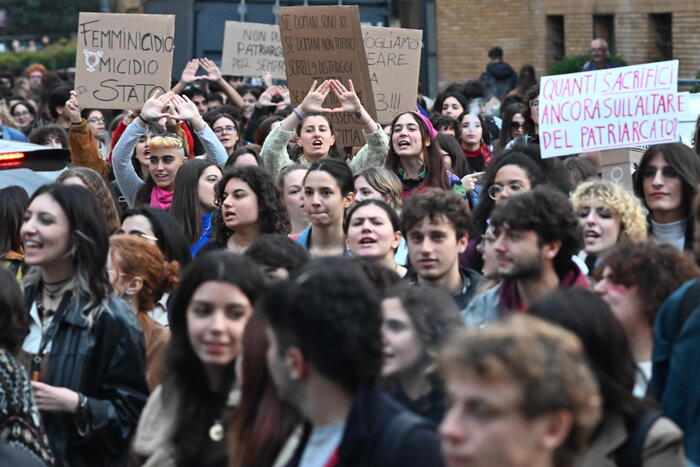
x=228, y=128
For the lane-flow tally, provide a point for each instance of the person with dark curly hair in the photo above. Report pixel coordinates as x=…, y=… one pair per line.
x=278, y=256
x=49, y=135
x=535, y=236
x=325, y=357
x=445, y=124
x=249, y=205
x=437, y=225
x=635, y=279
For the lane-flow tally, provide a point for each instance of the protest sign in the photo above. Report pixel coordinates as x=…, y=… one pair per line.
x=393, y=56
x=325, y=42
x=121, y=59
x=251, y=48
x=608, y=109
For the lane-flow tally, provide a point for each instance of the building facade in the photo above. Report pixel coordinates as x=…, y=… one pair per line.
x=540, y=32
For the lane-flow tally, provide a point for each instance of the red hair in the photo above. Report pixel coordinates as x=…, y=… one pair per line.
x=136, y=257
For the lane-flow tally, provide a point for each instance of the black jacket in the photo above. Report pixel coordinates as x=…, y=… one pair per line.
x=371, y=412
x=106, y=363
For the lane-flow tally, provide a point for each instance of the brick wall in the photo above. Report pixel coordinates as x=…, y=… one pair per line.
x=468, y=29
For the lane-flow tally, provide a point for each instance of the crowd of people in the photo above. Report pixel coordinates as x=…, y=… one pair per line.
x=215, y=281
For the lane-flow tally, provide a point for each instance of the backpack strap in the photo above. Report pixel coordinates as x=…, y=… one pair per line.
x=395, y=432
x=630, y=454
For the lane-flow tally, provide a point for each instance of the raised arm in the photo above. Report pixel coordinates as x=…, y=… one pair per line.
x=214, y=75
x=185, y=109
x=188, y=76
x=83, y=147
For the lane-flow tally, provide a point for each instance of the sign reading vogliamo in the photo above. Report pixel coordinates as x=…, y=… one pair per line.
x=121, y=59
x=608, y=109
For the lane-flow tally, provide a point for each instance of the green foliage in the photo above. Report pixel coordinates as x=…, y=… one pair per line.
x=696, y=88
x=55, y=57
x=575, y=63
x=52, y=17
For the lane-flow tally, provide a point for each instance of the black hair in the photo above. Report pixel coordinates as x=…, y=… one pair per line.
x=27, y=104
x=278, y=251
x=185, y=207
x=272, y=213
x=41, y=135
x=496, y=52
x=215, y=97
x=390, y=212
x=485, y=134
x=334, y=151
x=482, y=212
x=437, y=106
x=687, y=164
x=213, y=115
x=450, y=144
x=14, y=320
x=185, y=382
x=58, y=98
x=171, y=237
x=247, y=149
x=550, y=215
x=337, y=169
x=377, y=274
x=439, y=121
x=508, y=114
x=264, y=127
x=473, y=89
x=588, y=316
x=193, y=90
x=332, y=295
x=13, y=202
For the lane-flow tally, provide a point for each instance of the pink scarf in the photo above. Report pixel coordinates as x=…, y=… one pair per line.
x=161, y=198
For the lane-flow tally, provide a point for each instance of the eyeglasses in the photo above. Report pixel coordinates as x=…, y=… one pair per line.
x=96, y=120
x=668, y=172
x=535, y=103
x=220, y=130
x=495, y=190
x=138, y=233
x=518, y=125
x=23, y=113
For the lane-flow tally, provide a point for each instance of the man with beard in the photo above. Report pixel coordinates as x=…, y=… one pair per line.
x=536, y=234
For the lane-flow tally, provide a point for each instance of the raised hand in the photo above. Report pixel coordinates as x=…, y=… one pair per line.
x=71, y=110
x=265, y=99
x=155, y=107
x=183, y=108
x=313, y=101
x=286, y=99
x=349, y=102
x=190, y=71
x=213, y=72
x=266, y=78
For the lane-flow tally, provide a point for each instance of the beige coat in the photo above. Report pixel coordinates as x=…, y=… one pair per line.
x=663, y=446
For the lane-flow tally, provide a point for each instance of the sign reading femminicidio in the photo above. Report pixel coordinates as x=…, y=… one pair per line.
x=121, y=59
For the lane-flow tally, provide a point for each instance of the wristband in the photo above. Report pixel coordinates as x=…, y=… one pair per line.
x=144, y=120
x=298, y=114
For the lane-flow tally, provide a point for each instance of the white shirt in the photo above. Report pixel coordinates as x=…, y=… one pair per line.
x=322, y=444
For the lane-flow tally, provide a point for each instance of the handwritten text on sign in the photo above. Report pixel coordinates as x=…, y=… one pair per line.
x=122, y=59
x=393, y=56
x=325, y=42
x=252, y=48
x=613, y=108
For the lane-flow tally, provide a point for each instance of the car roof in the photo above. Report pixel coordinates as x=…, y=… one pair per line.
x=30, y=165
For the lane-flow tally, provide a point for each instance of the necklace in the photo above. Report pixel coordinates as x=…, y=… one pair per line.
x=53, y=289
x=216, y=431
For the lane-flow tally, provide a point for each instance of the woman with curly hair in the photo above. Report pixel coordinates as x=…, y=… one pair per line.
x=417, y=321
x=607, y=214
x=634, y=280
x=250, y=205
x=94, y=182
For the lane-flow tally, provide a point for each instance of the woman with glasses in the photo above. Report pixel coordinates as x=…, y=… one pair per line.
x=165, y=153
x=24, y=114
x=84, y=349
x=666, y=181
x=96, y=123
x=226, y=128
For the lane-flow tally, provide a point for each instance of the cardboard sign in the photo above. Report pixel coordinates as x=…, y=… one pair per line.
x=121, y=59
x=325, y=42
x=393, y=56
x=617, y=166
x=251, y=48
x=608, y=109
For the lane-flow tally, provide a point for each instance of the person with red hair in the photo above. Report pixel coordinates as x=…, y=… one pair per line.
x=139, y=274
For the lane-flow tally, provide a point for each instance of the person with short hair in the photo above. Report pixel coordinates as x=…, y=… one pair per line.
x=278, y=256
x=436, y=225
x=499, y=77
x=325, y=356
x=535, y=236
x=599, y=56
x=445, y=124
x=522, y=395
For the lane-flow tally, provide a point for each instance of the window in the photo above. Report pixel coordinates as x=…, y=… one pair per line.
x=604, y=28
x=661, y=47
x=555, y=39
